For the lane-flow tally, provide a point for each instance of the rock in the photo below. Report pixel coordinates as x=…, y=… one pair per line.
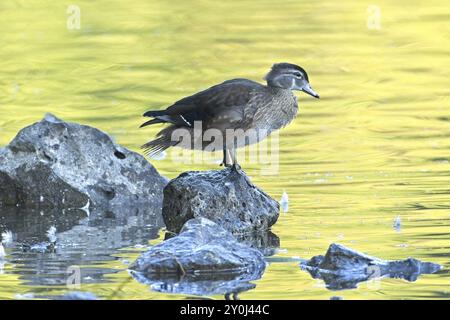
x=344, y=268
x=226, y=197
x=202, y=250
x=266, y=242
x=56, y=164
x=204, y=259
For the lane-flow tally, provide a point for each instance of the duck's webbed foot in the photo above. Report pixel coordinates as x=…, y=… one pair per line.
x=230, y=160
x=226, y=165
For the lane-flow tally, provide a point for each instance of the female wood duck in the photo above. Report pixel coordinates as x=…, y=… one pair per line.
x=237, y=105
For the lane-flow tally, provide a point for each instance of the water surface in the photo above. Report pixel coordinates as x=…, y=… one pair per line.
x=374, y=147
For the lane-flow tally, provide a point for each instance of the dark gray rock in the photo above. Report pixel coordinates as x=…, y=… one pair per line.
x=53, y=163
x=72, y=295
x=226, y=197
x=201, y=248
x=204, y=259
x=343, y=268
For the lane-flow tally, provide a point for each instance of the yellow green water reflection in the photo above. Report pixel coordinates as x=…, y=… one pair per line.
x=376, y=146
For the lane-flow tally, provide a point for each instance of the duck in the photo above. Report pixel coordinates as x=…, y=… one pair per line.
x=244, y=109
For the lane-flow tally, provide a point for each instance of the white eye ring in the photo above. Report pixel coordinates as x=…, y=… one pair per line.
x=298, y=75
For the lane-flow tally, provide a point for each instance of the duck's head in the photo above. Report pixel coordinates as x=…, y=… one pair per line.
x=289, y=76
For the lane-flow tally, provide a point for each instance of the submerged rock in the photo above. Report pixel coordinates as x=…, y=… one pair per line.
x=343, y=268
x=202, y=255
x=226, y=197
x=53, y=163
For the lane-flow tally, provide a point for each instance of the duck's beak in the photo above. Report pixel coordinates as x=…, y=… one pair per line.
x=307, y=88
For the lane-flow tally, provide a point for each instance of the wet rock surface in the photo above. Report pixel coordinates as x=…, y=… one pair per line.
x=343, y=268
x=201, y=247
x=226, y=197
x=53, y=163
x=203, y=259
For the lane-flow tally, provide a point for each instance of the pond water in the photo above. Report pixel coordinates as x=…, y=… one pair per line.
x=373, y=150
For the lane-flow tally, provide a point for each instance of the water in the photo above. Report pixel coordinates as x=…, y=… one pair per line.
x=375, y=147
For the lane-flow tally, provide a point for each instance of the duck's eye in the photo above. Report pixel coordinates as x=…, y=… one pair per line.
x=298, y=75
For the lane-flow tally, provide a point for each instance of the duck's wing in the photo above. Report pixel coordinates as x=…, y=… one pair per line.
x=227, y=99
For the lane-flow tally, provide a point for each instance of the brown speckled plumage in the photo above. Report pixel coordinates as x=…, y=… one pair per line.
x=237, y=104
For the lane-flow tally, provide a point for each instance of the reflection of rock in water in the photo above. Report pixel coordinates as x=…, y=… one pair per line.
x=206, y=285
x=32, y=225
x=343, y=268
x=78, y=295
x=204, y=259
x=71, y=295
x=265, y=241
x=80, y=240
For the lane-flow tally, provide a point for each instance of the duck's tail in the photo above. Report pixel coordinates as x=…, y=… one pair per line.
x=162, y=142
x=159, y=117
